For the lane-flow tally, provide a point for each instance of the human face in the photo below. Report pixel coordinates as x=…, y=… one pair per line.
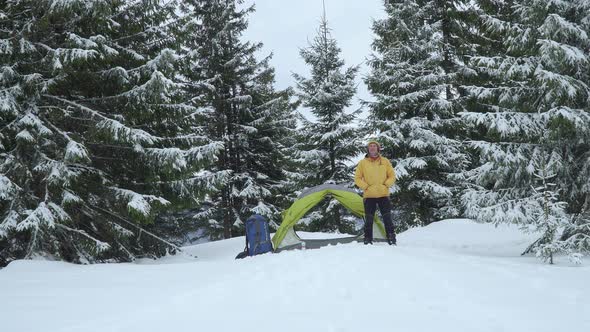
x=373, y=150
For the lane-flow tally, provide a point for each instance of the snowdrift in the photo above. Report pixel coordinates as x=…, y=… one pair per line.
x=453, y=275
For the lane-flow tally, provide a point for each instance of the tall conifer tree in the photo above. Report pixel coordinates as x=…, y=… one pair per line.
x=415, y=78
x=243, y=113
x=92, y=145
x=329, y=142
x=535, y=104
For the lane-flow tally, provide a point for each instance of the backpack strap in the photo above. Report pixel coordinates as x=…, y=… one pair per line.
x=246, y=237
x=257, y=234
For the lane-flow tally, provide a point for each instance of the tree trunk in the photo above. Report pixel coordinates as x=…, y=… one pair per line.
x=226, y=206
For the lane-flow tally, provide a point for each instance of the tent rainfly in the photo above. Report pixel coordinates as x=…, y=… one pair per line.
x=285, y=238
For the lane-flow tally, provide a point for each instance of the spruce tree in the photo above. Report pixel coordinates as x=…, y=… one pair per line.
x=94, y=137
x=242, y=112
x=329, y=142
x=545, y=213
x=578, y=234
x=415, y=78
x=535, y=103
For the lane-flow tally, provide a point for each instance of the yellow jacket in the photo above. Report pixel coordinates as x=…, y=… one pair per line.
x=374, y=177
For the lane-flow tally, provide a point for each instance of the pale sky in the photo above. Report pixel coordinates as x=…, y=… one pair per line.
x=286, y=26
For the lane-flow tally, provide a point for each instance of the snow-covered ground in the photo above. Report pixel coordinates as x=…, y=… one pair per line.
x=454, y=275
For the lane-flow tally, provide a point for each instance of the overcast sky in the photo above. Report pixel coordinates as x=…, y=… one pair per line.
x=286, y=26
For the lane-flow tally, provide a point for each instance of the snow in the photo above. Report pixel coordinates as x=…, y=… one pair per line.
x=139, y=204
x=453, y=275
x=173, y=157
x=81, y=41
x=7, y=188
x=70, y=198
x=31, y=120
x=75, y=152
x=25, y=136
x=122, y=133
x=42, y=214
x=5, y=46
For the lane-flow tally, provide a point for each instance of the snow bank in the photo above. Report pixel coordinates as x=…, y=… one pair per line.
x=450, y=276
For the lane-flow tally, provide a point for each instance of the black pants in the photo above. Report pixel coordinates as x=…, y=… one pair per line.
x=370, y=207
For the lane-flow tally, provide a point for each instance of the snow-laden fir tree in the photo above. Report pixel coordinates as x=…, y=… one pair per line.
x=95, y=137
x=540, y=213
x=328, y=143
x=578, y=234
x=550, y=214
x=416, y=70
x=535, y=102
x=242, y=111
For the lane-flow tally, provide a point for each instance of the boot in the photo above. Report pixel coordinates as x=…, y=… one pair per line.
x=368, y=241
x=391, y=239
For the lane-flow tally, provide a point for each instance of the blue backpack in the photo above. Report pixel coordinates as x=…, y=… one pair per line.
x=257, y=236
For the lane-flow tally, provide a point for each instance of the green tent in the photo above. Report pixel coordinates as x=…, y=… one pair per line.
x=286, y=238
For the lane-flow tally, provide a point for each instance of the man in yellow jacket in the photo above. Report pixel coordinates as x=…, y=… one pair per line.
x=374, y=175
